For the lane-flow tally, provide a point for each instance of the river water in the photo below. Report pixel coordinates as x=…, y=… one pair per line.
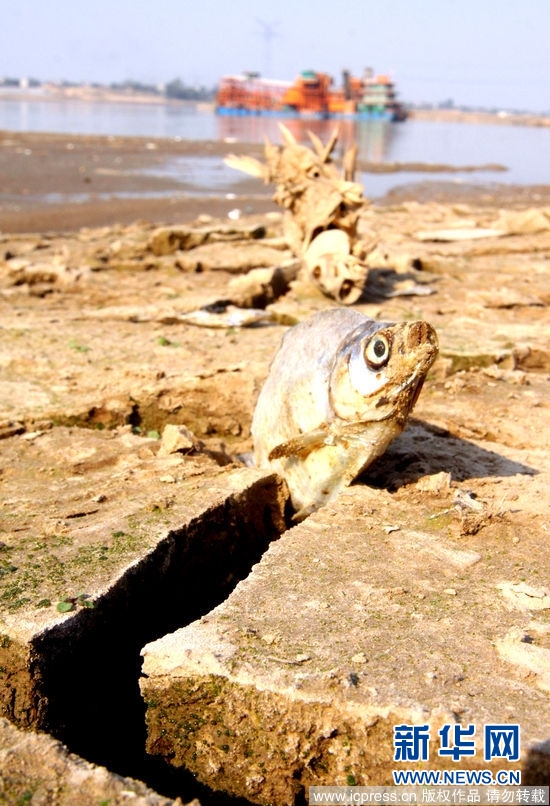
x=523, y=150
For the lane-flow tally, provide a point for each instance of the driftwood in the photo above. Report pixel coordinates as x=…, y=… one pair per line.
x=318, y=200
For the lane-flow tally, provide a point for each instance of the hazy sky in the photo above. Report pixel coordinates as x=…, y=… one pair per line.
x=477, y=52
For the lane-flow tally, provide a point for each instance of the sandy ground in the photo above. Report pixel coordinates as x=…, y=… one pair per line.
x=61, y=183
x=53, y=182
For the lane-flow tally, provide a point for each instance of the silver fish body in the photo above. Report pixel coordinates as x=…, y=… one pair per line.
x=339, y=389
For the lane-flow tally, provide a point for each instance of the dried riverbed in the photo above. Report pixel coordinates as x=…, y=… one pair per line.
x=96, y=359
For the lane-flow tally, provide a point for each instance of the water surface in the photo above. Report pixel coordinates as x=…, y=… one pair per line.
x=522, y=149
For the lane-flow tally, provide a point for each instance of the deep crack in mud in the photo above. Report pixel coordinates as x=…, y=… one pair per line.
x=87, y=668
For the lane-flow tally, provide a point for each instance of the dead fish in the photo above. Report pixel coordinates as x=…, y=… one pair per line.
x=331, y=266
x=339, y=389
x=459, y=234
x=225, y=315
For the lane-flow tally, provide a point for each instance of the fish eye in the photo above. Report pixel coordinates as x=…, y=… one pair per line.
x=377, y=351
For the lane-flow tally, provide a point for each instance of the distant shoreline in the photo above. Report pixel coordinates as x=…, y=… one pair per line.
x=491, y=118
x=89, y=94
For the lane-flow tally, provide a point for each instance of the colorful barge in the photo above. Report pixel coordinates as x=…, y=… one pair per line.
x=311, y=95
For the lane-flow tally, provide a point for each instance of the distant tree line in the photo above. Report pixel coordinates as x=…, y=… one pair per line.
x=136, y=86
x=174, y=89
x=8, y=81
x=177, y=89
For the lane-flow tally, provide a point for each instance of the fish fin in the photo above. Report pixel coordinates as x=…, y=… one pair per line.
x=288, y=137
x=350, y=163
x=301, y=446
x=325, y=157
x=303, y=513
x=317, y=144
x=247, y=165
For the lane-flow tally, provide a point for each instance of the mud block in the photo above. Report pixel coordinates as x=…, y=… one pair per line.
x=105, y=545
x=373, y=613
x=36, y=767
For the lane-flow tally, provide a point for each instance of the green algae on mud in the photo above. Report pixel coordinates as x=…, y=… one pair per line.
x=46, y=570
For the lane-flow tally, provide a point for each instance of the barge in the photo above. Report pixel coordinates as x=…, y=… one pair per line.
x=313, y=95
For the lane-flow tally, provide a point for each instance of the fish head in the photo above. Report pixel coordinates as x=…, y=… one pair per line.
x=338, y=277
x=379, y=370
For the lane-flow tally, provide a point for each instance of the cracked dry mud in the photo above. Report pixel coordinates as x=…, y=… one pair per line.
x=421, y=594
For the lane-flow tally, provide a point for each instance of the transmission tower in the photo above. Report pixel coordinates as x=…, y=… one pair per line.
x=269, y=33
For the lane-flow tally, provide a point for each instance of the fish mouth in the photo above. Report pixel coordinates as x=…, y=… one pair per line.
x=410, y=390
x=415, y=393
x=421, y=334
x=405, y=400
